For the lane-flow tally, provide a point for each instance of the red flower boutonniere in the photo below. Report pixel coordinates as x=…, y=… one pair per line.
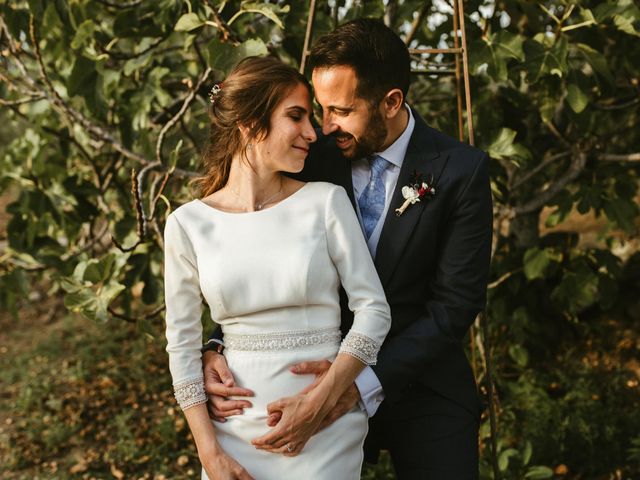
x=417, y=189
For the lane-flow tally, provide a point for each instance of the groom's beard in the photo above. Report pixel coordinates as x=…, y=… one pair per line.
x=375, y=133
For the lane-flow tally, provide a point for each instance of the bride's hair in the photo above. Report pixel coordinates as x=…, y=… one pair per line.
x=247, y=97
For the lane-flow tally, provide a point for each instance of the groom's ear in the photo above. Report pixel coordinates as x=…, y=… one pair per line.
x=392, y=102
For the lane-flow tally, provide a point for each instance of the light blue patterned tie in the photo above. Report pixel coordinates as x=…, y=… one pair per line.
x=372, y=200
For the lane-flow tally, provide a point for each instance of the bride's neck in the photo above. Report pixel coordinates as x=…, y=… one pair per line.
x=253, y=185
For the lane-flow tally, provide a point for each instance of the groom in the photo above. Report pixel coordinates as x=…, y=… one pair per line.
x=432, y=259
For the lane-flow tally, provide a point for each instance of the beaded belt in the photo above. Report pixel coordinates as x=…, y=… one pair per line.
x=291, y=340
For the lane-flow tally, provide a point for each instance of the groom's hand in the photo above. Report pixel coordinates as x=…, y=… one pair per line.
x=319, y=368
x=219, y=385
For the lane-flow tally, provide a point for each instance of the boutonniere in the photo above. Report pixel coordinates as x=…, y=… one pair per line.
x=417, y=189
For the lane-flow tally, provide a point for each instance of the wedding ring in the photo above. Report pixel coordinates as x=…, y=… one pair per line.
x=290, y=448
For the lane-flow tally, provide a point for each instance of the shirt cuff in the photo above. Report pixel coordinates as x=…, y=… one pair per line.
x=371, y=394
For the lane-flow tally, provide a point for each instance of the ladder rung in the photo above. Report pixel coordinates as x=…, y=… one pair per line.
x=442, y=71
x=457, y=51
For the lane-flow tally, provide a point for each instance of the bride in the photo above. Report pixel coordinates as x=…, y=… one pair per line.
x=268, y=254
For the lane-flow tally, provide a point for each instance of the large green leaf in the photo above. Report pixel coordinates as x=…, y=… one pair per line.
x=84, y=33
x=537, y=262
x=538, y=472
x=542, y=59
x=223, y=56
x=269, y=10
x=576, y=98
x=83, y=78
x=188, y=22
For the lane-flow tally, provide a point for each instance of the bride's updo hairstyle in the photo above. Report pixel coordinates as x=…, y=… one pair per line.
x=248, y=97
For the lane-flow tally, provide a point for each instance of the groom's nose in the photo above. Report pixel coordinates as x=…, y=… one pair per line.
x=328, y=125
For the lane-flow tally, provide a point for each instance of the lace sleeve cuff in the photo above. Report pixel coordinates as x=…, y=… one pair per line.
x=190, y=392
x=360, y=346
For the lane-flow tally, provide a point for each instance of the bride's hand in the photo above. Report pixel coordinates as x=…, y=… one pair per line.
x=301, y=416
x=220, y=466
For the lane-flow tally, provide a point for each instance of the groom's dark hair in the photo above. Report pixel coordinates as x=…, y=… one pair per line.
x=377, y=54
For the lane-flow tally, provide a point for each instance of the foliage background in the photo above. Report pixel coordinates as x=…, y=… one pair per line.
x=93, y=89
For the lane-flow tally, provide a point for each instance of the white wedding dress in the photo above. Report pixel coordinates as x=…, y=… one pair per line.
x=271, y=279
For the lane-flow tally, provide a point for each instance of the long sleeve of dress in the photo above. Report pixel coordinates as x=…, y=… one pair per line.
x=350, y=255
x=183, y=311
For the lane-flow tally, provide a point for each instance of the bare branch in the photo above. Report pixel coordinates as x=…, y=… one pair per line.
x=531, y=173
x=22, y=101
x=145, y=316
x=390, y=13
x=619, y=106
x=74, y=115
x=140, y=216
x=614, y=157
x=128, y=56
x=417, y=21
x=223, y=27
x=185, y=105
x=577, y=165
x=557, y=134
x=120, y=6
x=503, y=278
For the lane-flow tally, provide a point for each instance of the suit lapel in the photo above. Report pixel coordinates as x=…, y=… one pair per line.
x=423, y=157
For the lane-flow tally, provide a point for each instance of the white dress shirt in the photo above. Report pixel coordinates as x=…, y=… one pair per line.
x=368, y=384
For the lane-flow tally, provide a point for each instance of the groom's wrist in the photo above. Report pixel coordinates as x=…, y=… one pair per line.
x=213, y=345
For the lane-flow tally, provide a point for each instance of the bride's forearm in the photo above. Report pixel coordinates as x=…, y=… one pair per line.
x=202, y=429
x=339, y=377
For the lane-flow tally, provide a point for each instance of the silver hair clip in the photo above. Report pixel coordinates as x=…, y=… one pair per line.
x=213, y=93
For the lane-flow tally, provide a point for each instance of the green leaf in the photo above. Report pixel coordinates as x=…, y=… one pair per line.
x=628, y=21
x=503, y=458
x=597, y=61
x=82, y=80
x=81, y=300
x=538, y=472
x=188, y=22
x=503, y=145
x=542, y=60
x=537, y=262
x=99, y=270
x=576, y=98
x=509, y=45
x=224, y=56
x=527, y=452
x=519, y=354
x=269, y=10
x=622, y=212
x=83, y=33
x=577, y=290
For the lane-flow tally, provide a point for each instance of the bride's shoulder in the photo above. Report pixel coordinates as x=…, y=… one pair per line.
x=324, y=188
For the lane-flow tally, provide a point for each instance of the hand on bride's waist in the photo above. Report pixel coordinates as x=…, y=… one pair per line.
x=297, y=418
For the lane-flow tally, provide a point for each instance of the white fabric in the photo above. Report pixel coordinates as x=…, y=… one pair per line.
x=274, y=270
x=371, y=393
x=361, y=173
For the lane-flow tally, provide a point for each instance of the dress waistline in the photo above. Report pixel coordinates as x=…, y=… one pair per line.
x=277, y=341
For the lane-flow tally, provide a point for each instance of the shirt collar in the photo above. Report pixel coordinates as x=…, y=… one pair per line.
x=396, y=151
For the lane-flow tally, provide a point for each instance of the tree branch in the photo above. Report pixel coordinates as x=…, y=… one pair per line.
x=577, y=165
x=185, y=105
x=390, y=13
x=417, y=21
x=22, y=101
x=531, y=173
x=54, y=97
x=614, y=157
x=146, y=316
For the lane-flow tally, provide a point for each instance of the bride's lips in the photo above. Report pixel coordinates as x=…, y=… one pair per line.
x=305, y=150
